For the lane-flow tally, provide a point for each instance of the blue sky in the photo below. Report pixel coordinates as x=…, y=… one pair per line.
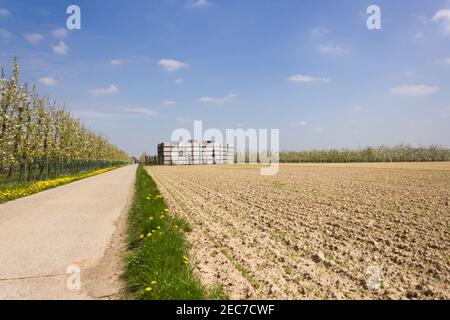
x=137, y=70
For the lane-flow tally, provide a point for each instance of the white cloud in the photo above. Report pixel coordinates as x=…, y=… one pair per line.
x=179, y=81
x=48, y=81
x=307, y=79
x=60, y=33
x=102, y=91
x=33, y=38
x=115, y=62
x=332, y=49
x=218, y=101
x=443, y=16
x=319, y=32
x=4, y=12
x=169, y=103
x=198, y=3
x=358, y=108
x=5, y=34
x=172, y=65
x=299, y=124
x=145, y=111
x=447, y=61
x=318, y=130
x=61, y=48
x=414, y=90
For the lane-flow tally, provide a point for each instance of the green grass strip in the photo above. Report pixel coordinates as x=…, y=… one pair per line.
x=158, y=267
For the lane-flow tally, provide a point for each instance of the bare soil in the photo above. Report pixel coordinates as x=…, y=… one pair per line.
x=357, y=231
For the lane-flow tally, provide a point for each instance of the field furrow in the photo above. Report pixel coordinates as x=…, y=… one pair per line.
x=317, y=231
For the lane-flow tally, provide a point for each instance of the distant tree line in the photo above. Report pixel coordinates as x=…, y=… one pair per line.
x=399, y=153
x=40, y=140
x=147, y=160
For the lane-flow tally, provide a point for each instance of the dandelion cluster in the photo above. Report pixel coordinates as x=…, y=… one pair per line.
x=150, y=287
x=23, y=191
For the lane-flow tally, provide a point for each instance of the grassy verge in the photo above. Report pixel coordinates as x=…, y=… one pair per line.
x=157, y=267
x=16, y=191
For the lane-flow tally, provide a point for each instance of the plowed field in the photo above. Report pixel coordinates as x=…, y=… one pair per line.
x=358, y=231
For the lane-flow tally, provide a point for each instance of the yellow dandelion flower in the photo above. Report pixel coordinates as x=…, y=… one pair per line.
x=148, y=289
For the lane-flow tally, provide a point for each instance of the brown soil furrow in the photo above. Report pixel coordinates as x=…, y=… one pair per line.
x=314, y=231
x=211, y=264
x=282, y=251
x=290, y=259
x=248, y=258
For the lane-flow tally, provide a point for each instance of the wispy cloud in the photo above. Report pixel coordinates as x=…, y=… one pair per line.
x=319, y=32
x=61, y=48
x=33, y=38
x=357, y=108
x=178, y=81
x=418, y=35
x=4, y=12
x=5, y=34
x=115, y=62
x=299, y=124
x=48, y=81
x=102, y=91
x=443, y=17
x=184, y=120
x=169, y=103
x=307, y=79
x=172, y=65
x=218, y=101
x=329, y=48
x=97, y=115
x=420, y=18
x=144, y=111
x=414, y=90
x=445, y=113
x=318, y=130
x=443, y=61
x=60, y=33
x=198, y=3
